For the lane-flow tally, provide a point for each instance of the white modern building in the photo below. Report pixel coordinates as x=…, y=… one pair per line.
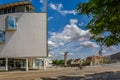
x=23, y=37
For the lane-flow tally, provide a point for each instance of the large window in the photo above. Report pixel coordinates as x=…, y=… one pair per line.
x=11, y=23
x=2, y=36
x=24, y=8
x=2, y=62
x=38, y=63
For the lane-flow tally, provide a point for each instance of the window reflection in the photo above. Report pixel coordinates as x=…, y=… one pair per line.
x=2, y=36
x=11, y=23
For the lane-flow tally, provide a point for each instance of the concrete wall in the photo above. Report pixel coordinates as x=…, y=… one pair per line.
x=30, y=38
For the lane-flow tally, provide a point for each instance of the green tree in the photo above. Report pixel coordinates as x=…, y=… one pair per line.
x=61, y=62
x=58, y=62
x=105, y=20
x=55, y=62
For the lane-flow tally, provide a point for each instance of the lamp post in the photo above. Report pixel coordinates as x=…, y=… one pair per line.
x=65, y=59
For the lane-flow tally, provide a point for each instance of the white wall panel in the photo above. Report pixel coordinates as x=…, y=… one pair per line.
x=30, y=38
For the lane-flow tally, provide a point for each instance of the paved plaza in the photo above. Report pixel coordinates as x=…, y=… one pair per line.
x=98, y=72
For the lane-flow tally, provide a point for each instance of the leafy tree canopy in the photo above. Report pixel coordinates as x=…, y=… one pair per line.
x=105, y=20
x=58, y=62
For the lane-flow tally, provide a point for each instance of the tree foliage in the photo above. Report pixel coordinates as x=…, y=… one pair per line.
x=105, y=20
x=58, y=62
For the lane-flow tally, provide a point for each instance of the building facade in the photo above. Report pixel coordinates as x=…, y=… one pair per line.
x=95, y=59
x=113, y=57
x=23, y=37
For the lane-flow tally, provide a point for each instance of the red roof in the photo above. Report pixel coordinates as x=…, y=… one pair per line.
x=96, y=57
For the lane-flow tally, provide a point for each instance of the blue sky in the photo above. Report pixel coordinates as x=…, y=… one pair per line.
x=66, y=29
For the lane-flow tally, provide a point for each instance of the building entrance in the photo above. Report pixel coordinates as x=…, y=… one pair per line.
x=16, y=64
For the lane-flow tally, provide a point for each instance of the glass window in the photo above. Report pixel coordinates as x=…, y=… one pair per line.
x=9, y=10
x=13, y=9
x=11, y=23
x=27, y=9
x=5, y=11
x=1, y=11
x=2, y=62
x=2, y=36
x=20, y=9
x=37, y=63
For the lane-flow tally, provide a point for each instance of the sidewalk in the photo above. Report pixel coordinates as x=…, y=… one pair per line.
x=61, y=73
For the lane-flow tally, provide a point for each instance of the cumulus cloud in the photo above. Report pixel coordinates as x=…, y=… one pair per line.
x=43, y=5
x=58, y=7
x=72, y=32
x=81, y=24
x=50, y=18
x=76, y=41
x=73, y=21
x=69, y=39
x=64, y=12
x=62, y=53
x=51, y=44
x=61, y=44
x=111, y=50
x=89, y=44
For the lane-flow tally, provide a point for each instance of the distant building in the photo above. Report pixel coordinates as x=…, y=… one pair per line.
x=74, y=62
x=23, y=37
x=95, y=59
x=114, y=57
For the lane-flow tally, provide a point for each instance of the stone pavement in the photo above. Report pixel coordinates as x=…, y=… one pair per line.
x=98, y=72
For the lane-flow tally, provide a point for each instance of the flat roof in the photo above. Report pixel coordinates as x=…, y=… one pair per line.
x=27, y=3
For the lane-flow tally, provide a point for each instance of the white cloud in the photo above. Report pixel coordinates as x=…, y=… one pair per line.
x=58, y=7
x=51, y=44
x=64, y=12
x=43, y=5
x=41, y=1
x=50, y=18
x=52, y=33
x=89, y=44
x=73, y=21
x=70, y=33
x=62, y=53
x=76, y=41
x=111, y=50
x=81, y=24
x=69, y=39
x=61, y=44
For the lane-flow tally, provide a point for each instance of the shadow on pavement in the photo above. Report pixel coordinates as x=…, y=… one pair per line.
x=97, y=76
x=104, y=76
x=64, y=78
